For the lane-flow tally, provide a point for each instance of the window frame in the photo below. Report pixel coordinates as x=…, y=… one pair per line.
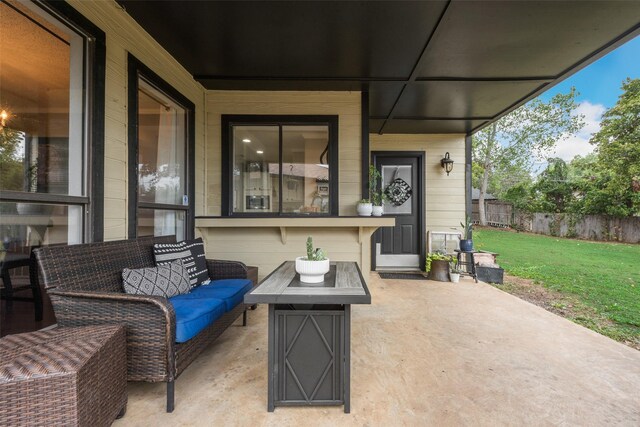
x=230, y=120
x=93, y=109
x=137, y=70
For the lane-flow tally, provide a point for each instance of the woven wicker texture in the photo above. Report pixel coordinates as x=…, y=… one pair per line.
x=65, y=377
x=85, y=286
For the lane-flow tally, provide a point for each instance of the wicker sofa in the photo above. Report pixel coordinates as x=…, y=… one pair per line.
x=85, y=286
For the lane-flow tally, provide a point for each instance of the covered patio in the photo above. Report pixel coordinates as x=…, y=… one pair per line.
x=240, y=129
x=425, y=353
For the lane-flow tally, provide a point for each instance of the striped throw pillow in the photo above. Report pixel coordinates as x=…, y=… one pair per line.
x=192, y=254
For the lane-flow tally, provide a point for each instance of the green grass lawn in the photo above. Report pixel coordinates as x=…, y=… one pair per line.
x=603, y=278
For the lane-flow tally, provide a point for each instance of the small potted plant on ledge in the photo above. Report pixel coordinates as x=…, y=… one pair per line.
x=376, y=194
x=314, y=266
x=365, y=207
x=377, y=199
x=466, y=242
x=372, y=205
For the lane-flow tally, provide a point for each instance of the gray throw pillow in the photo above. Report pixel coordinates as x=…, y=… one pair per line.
x=165, y=280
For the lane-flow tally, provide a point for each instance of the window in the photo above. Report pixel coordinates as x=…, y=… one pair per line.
x=280, y=165
x=161, y=144
x=46, y=139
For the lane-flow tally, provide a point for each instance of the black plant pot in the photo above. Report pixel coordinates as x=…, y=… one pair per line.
x=466, y=245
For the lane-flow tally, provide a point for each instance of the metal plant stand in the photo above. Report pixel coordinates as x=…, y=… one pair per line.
x=468, y=262
x=310, y=334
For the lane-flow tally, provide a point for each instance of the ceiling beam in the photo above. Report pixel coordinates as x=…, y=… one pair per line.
x=379, y=79
x=298, y=78
x=588, y=60
x=487, y=79
x=414, y=71
x=443, y=118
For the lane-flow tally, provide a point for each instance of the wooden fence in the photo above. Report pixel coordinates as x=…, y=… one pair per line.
x=590, y=227
x=498, y=214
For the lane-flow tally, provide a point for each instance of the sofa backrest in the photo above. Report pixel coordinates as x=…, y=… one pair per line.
x=94, y=267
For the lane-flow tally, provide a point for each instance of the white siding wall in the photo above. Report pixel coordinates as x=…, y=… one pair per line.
x=124, y=35
x=444, y=195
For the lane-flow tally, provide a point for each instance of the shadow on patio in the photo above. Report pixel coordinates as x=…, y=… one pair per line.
x=424, y=353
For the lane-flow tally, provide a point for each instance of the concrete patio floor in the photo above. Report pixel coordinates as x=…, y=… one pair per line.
x=424, y=353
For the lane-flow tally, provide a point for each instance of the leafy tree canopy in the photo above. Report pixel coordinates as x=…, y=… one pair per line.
x=616, y=182
x=553, y=189
x=509, y=147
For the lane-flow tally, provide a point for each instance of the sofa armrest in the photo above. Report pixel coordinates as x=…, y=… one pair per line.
x=150, y=322
x=220, y=269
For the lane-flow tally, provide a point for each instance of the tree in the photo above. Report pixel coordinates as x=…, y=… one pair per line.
x=586, y=180
x=521, y=196
x=616, y=183
x=553, y=189
x=522, y=136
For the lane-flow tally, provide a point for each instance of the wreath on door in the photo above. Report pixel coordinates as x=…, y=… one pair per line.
x=398, y=191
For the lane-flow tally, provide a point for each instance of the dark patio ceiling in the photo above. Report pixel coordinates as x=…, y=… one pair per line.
x=429, y=66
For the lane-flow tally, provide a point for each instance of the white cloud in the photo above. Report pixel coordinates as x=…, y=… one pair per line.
x=578, y=143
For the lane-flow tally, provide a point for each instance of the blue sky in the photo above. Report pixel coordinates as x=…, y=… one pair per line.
x=599, y=83
x=599, y=88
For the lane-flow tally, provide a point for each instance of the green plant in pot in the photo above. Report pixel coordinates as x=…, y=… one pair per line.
x=373, y=204
x=364, y=207
x=454, y=271
x=378, y=198
x=466, y=242
x=314, y=266
x=376, y=194
x=437, y=266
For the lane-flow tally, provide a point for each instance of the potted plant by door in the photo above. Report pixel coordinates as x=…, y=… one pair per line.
x=364, y=207
x=375, y=192
x=372, y=205
x=454, y=272
x=438, y=266
x=466, y=243
x=378, y=198
x=314, y=266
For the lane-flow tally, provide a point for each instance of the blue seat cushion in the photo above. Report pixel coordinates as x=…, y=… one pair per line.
x=231, y=291
x=195, y=314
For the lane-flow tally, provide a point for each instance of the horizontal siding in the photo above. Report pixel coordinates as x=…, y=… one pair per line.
x=444, y=195
x=124, y=35
x=344, y=104
x=263, y=247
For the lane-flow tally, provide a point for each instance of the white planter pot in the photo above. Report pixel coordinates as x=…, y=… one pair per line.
x=377, y=211
x=365, y=209
x=311, y=271
x=455, y=277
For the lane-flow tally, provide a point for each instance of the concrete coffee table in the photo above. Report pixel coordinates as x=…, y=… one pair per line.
x=310, y=334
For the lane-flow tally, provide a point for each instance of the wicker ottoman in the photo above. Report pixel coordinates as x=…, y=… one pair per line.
x=64, y=376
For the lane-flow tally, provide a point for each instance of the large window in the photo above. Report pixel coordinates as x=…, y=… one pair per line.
x=280, y=165
x=160, y=146
x=46, y=87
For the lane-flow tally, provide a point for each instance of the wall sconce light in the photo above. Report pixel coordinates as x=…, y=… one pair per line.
x=447, y=163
